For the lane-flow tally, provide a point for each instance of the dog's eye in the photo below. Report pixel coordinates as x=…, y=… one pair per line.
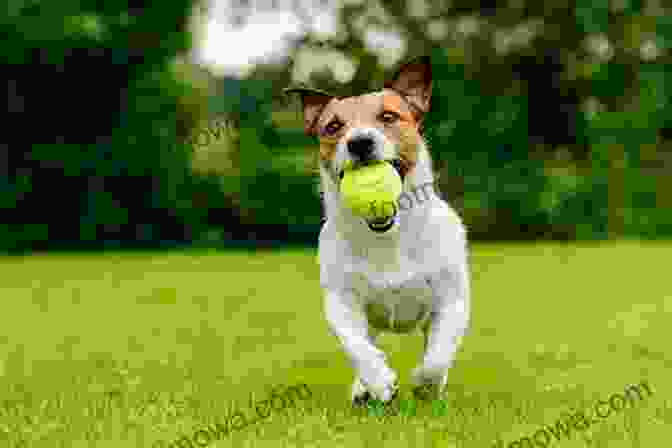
x=333, y=127
x=389, y=117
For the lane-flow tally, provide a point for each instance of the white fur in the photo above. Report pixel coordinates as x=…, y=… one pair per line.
x=414, y=276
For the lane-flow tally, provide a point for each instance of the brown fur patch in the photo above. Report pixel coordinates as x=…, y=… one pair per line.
x=327, y=149
x=409, y=138
x=408, y=149
x=392, y=101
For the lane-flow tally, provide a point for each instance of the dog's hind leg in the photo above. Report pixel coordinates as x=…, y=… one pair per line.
x=348, y=322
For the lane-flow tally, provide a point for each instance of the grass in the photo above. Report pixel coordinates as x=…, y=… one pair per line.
x=140, y=349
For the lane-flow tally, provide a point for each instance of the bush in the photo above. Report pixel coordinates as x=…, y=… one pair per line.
x=95, y=103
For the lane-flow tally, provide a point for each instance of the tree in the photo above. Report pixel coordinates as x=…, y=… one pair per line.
x=548, y=82
x=95, y=102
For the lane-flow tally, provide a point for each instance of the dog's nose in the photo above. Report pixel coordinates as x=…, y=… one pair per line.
x=361, y=147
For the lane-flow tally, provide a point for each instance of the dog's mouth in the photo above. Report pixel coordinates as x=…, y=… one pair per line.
x=396, y=163
x=382, y=225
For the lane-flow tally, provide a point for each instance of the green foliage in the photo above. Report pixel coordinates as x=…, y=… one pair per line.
x=482, y=139
x=592, y=16
x=101, y=116
x=499, y=142
x=481, y=143
x=95, y=88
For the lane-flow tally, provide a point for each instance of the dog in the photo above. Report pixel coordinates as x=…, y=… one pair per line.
x=401, y=274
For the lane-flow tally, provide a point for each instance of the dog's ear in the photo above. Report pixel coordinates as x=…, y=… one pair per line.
x=414, y=82
x=313, y=101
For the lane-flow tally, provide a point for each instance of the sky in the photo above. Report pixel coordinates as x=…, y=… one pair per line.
x=229, y=50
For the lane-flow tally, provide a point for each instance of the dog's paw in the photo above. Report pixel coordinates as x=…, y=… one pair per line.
x=427, y=392
x=362, y=397
x=366, y=400
x=362, y=401
x=387, y=393
x=429, y=383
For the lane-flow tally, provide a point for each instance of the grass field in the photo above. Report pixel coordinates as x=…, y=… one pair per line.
x=141, y=349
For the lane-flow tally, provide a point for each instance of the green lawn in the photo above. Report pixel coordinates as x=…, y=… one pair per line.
x=138, y=350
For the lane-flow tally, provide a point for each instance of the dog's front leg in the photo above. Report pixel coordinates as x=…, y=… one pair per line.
x=448, y=324
x=348, y=322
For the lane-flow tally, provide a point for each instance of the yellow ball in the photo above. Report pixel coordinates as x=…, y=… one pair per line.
x=371, y=191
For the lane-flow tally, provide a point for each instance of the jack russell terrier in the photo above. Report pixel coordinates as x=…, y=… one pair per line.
x=407, y=273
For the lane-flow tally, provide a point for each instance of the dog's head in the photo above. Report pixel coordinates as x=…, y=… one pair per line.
x=381, y=125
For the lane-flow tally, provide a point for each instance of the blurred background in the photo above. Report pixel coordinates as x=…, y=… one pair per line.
x=166, y=126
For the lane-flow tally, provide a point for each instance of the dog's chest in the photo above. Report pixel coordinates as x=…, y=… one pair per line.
x=398, y=307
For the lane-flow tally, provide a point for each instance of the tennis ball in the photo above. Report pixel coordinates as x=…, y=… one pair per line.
x=371, y=191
